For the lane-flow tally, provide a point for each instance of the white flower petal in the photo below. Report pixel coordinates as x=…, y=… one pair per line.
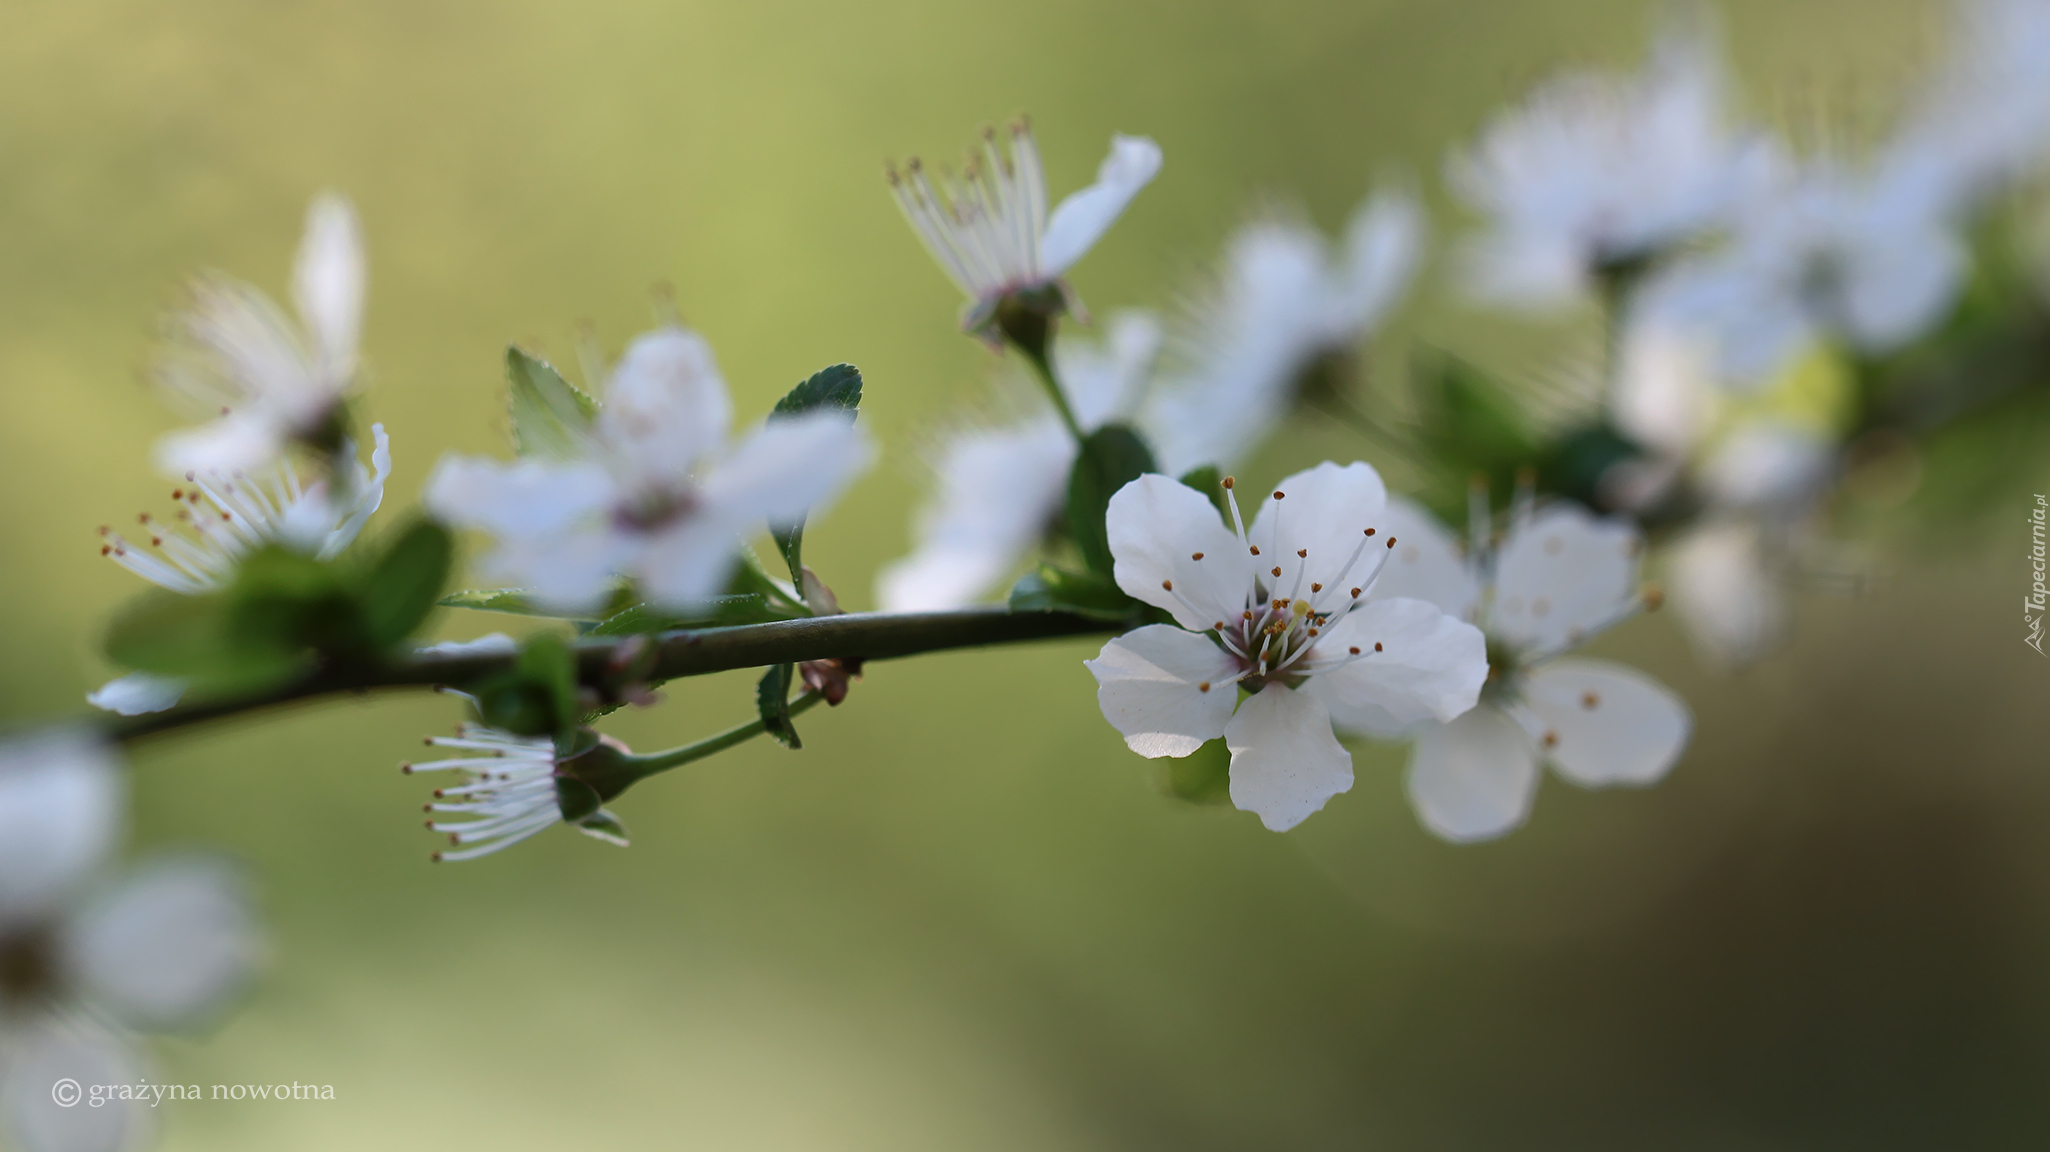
x=998, y=493
x=169, y=944
x=1426, y=562
x=1562, y=576
x=1475, y=778
x=1765, y=465
x=1157, y=527
x=1383, y=243
x=60, y=805
x=1430, y=666
x=789, y=468
x=1078, y=221
x=684, y=564
x=1610, y=724
x=1665, y=393
x=368, y=494
x=1249, y=341
x=569, y=571
x=520, y=498
x=1285, y=763
x=240, y=442
x=1104, y=383
x=1901, y=282
x=1151, y=687
x=1726, y=595
x=1325, y=512
x=327, y=284
x=489, y=644
x=88, y=1056
x=138, y=694
x=665, y=408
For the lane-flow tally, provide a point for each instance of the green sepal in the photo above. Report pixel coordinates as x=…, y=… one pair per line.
x=1051, y=589
x=837, y=388
x=1210, y=482
x=772, y=698
x=577, y=800
x=551, y=418
x=404, y=585
x=1201, y=777
x=603, y=825
x=1110, y=458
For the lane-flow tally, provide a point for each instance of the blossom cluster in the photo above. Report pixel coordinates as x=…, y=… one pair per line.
x=1769, y=318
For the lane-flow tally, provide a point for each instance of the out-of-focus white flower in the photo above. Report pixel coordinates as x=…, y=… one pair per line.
x=223, y=517
x=264, y=381
x=1823, y=255
x=1559, y=577
x=1285, y=300
x=507, y=793
x=989, y=229
x=1983, y=119
x=157, y=951
x=1000, y=489
x=1757, y=465
x=1597, y=171
x=652, y=496
x=1282, y=613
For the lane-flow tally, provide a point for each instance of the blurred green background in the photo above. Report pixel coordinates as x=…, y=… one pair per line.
x=962, y=917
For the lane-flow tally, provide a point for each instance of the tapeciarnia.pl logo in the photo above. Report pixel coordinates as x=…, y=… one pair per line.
x=2037, y=599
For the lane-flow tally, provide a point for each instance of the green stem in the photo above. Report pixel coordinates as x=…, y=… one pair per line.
x=689, y=652
x=643, y=767
x=1043, y=365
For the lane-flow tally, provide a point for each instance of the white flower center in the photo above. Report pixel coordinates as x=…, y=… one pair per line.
x=1276, y=637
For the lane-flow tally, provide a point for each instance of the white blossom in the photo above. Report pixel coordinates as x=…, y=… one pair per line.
x=1756, y=465
x=653, y=495
x=989, y=228
x=262, y=380
x=1000, y=489
x=222, y=518
x=1823, y=254
x=87, y=963
x=1285, y=299
x=1598, y=171
x=506, y=792
x=1281, y=612
x=1559, y=577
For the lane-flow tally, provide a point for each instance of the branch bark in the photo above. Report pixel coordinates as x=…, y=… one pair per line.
x=690, y=652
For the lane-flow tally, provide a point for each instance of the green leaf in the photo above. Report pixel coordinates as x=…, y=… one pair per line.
x=286, y=601
x=837, y=388
x=772, y=697
x=1470, y=426
x=1210, y=482
x=1051, y=589
x=401, y=589
x=189, y=637
x=1110, y=458
x=1201, y=777
x=515, y=602
x=550, y=417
